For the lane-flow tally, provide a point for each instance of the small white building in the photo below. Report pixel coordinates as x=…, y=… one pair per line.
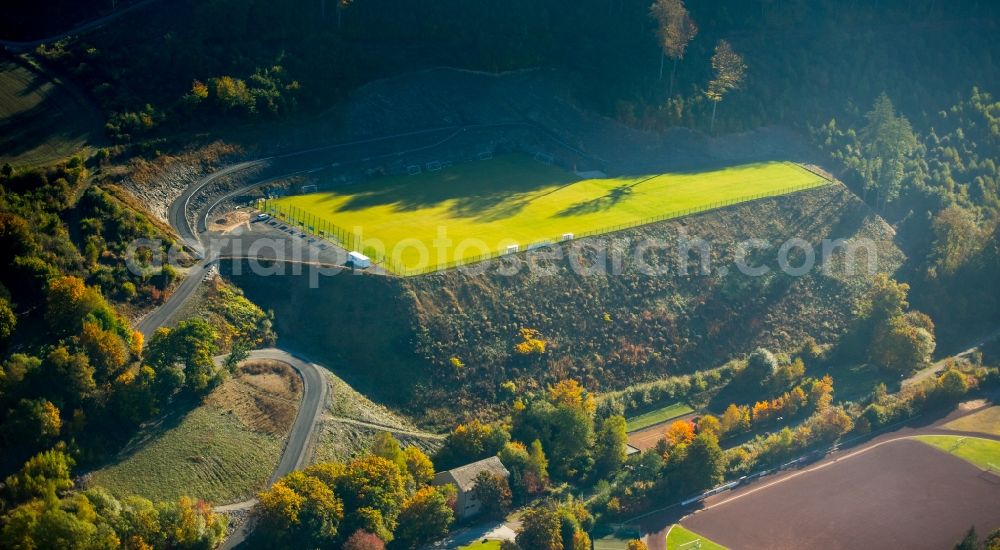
x=567, y=237
x=358, y=260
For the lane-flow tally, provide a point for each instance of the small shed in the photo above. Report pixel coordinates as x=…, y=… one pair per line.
x=358, y=260
x=464, y=479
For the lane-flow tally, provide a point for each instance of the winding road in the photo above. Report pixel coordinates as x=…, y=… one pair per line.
x=314, y=394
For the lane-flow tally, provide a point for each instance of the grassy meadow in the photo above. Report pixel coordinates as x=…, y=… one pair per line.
x=40, y=123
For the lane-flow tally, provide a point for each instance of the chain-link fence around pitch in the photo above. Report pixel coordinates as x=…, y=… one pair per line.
x=354, y=241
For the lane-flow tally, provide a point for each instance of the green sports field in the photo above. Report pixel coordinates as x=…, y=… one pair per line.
x=657, y=416
x=680, y=538
x=984, y=453
x=434, y=220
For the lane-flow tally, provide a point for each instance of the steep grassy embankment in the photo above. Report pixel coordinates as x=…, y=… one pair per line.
x=396, y=338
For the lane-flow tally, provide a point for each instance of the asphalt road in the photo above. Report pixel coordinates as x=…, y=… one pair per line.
x=161, y=316
x=294, y=455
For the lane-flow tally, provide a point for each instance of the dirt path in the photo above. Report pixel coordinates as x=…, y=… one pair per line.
x=384, y=428
x=934, y=369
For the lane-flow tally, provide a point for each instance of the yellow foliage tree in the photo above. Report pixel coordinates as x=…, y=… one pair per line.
x=679, y=432
x=531, y=343
x=569, y=392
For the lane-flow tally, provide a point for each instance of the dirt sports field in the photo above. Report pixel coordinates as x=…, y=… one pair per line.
x=901, y=494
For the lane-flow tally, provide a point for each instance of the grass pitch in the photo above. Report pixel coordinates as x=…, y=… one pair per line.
x=680, y=538
x=657, y=416
x=984, y=453
x=483, y=207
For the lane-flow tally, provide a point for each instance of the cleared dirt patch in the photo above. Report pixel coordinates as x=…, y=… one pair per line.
x=227, y=222
x=986, y=421
x=264, y=396
x=902, y=494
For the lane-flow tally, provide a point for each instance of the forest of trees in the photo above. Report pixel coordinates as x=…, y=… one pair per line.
x=65, y=291
x=938, y=182
x=237, y=59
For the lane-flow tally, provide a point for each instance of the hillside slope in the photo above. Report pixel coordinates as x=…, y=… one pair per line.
x=396, y=338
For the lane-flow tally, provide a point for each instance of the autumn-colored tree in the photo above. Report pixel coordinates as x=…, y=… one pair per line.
x=300, y=510
x=709, y=424
x=761, y=412
x=885, y=299
x=675, y=29
x=278, y=508
x=821, y=392
x=425, y=517
x=735, y=418
x=952, y=383
x=418, y=465
x=729, y=69
x=531, y=342
x=785, y=375
x=363, y=540
x=680, y=432
x=189, y=523
x=540, y=530
x=373, y=490
x=327, y=472
x=470, y=442
x=570, y=393
x=636, y=544
x=107, y=351
x=388, y=448
x=8, y=320
x=46, y=473
x=69, y=301
x=830, y=423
